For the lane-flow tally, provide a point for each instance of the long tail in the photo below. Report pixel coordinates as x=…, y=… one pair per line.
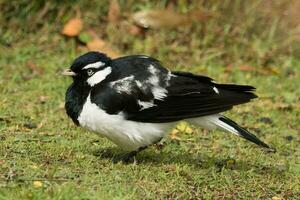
x=233, y=127
x=224, y=123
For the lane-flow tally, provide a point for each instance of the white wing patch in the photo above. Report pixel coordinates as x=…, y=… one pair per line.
x=216, y=90
x=95, y=65
x=99, y=76
x=158, y=92
x=139, y=84
x=123, y=85
x=145, y=104
x=152, y=69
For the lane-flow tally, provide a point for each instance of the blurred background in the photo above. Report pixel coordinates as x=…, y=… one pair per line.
x=257, y=42
x=263, y=34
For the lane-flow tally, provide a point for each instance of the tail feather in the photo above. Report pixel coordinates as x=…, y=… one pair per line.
x=211, y=122
x=233, y=127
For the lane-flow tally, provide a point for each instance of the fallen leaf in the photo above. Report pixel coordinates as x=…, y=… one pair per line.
x=113, y=15
x=167, y=18
x=189, y=130
x=181, y=126
x=174, y=133
x=37, y=184
x=184, y=127
x=159, y=18
x=73, y=27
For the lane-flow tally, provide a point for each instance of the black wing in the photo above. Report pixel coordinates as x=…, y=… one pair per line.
x=193, y=96
x=185, y=95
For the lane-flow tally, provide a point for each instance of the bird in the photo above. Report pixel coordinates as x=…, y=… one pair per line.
x=134, y=101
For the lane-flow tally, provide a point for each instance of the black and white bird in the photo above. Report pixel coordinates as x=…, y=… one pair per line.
x=134, y=101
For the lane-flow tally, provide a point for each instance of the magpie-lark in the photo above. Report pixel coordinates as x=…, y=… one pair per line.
x=134, y=100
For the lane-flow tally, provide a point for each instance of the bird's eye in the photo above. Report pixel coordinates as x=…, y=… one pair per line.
x=90, y=72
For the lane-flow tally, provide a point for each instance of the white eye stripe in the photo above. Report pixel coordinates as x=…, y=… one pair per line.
x=95, y=65
x=99, y=76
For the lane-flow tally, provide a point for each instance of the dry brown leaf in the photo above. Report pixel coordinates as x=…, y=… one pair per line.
x=114, y=12
x=101, y=46
x=159, y=18
x=167, y=18
x=73, y=27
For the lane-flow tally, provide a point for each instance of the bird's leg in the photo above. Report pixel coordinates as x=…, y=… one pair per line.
x=130, y=157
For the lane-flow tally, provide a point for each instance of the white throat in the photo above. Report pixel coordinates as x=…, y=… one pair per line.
x=99, y=76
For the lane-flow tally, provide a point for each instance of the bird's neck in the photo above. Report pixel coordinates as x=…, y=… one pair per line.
x=75, y=98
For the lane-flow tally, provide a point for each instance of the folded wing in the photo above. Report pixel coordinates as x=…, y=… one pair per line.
x=191, y=96
x=180, y=96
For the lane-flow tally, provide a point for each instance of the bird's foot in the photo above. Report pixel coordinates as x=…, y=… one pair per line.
x=130, y=157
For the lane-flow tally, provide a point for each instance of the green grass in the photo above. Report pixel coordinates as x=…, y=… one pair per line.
x=72, y=163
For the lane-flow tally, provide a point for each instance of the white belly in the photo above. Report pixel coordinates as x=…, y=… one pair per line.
x=129, y=135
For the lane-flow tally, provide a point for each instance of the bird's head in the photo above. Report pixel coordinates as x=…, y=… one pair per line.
x=92, y=67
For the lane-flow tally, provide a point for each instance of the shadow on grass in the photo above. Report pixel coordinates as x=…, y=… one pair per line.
x=200, y=161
